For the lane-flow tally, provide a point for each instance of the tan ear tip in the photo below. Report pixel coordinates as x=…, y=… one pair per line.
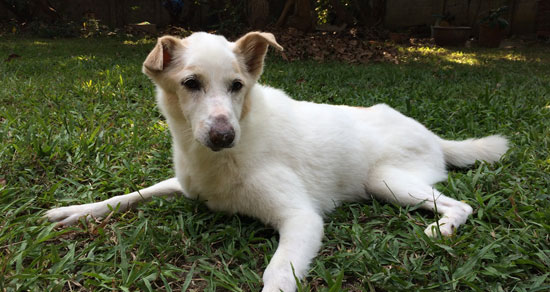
x=270, y=39
x=279, y=47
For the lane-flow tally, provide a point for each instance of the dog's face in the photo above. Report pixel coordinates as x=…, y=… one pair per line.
x=210, y=77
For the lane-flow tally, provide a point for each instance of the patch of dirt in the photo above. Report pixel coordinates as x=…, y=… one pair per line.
x=351, y=46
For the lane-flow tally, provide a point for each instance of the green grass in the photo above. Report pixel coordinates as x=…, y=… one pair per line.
x=78, y=124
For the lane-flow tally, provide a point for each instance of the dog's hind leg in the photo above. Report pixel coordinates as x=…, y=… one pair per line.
x=404, y=188
x=70, y=214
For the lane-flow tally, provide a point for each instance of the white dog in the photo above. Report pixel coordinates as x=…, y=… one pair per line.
x=247, y=148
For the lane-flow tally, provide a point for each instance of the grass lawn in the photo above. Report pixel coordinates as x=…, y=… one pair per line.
x=78, y=124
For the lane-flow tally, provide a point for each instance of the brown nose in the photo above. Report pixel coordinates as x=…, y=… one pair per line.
x=221, y=134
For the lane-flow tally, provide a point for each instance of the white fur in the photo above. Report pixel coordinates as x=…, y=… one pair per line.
x=292, y=161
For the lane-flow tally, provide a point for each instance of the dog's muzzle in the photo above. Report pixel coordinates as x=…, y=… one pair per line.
x=221, y=134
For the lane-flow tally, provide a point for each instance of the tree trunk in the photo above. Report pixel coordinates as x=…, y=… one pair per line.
x=342, y=14
x=258, y=13
x=282, y=19
x=303, y=16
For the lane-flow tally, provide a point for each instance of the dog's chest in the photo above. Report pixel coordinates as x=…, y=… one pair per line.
x=211, y=180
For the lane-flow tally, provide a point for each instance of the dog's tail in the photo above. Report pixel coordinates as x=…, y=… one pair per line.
x=466, y=152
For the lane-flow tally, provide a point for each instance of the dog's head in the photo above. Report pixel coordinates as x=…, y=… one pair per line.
x=211, y=78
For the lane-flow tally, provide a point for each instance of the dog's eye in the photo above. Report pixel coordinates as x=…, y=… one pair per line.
x=192, y=84
x=236, y=86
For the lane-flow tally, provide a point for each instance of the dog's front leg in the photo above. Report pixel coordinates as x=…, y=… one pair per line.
x=70, y=214
x=300, y=239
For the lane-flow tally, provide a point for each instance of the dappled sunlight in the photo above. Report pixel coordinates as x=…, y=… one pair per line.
x=502, y=55
x=159, y=127
x=513, y=57
x=457, y=57
x=462, y=58
x=87, y=84
x=39, y=43
x=143, y=41
x=466, y=56
x=427, y=50
x=86, y=58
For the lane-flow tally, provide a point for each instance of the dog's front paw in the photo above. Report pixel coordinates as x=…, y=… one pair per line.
x=279, y=280
x=278, y=287
x=69, y=215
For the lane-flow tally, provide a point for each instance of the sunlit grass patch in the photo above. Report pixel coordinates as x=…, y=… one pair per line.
x=160, y=126
x=514, y=57
x=84, y=58
x=41, y=43
x=416, y=53
x=469, y=56
x=462, y=58
x=142, y=41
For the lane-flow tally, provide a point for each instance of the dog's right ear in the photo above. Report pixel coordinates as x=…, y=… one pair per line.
x=162, y=54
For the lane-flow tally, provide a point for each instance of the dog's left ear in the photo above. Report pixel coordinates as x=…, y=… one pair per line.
x=252, y=47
